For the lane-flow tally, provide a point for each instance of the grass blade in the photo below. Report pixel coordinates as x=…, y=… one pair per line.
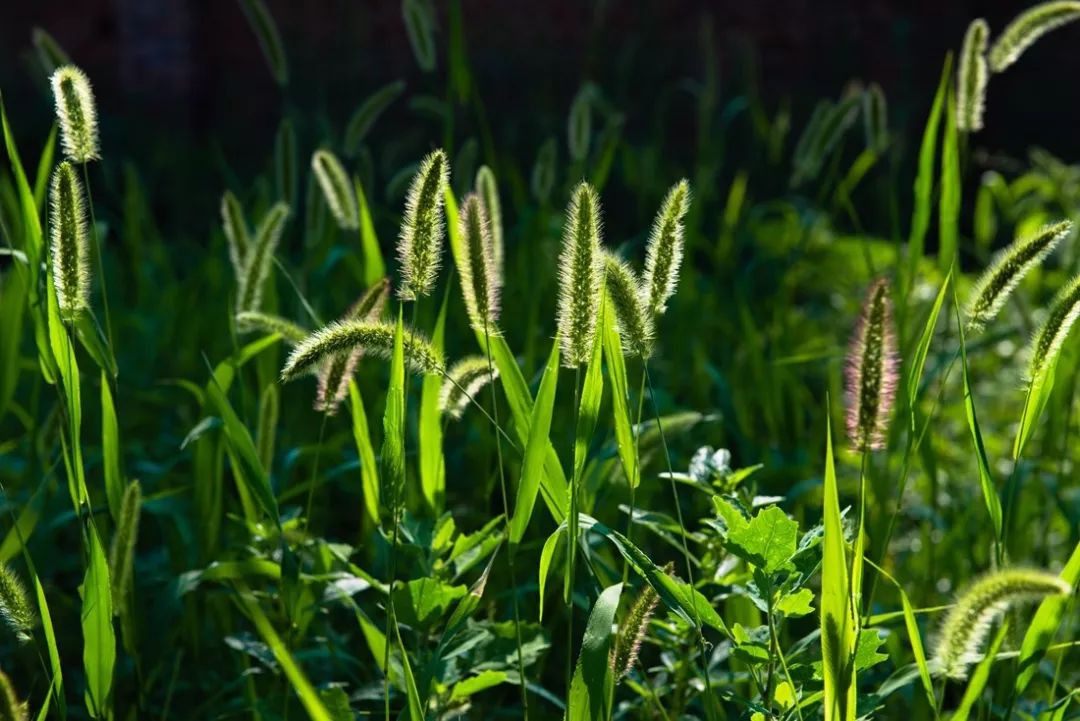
x=949, y=207
x=432, y=463
x=99, y=637
x=1045, y=624
x=620, y=399
x=536, y=447
x=369, y=468
x=110, y=449
x=593, y=683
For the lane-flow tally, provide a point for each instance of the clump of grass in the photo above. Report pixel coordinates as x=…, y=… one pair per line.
x=336, y=372
x=375, y=338
x=464, y=381
x=969, y=621
x=260, y=256
x=70, y=248
x=871, y=371
x=336, y=189
x=480, y=277
x=16, y=610
x=580, y=276
x=76, y=114
x=11, y=708
x=1046, y=343
x=634, y=322
x=1027, y=27
x=1007, y=269
x=664, y=252
x=971, y=77
x=421, y=237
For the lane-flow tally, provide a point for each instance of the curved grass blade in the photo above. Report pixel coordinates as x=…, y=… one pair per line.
x=532, y=468
x=99, y=637
x=369, y=468
x=266, y=31
x=110, y=449
x=432, y=463
x=593, y=682
x=1045, y=624
x=620, y=399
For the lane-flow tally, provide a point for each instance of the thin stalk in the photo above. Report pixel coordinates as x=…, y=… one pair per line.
x=637, y=468
x=571, y=551
x=315, y=472
x=856, y=593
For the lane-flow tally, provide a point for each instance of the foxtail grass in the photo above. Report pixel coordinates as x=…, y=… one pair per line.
x=633, y=629
x=1045, y=346
x=971, y=78
x=633, y=320
x=481, y=281
x=336, y=189
x=421, y=238
x=664, y=252
x=16, y=610
x=253, y=321
x=76, y=114
x=488, y=190
x=237, y=235
x=11, y=708
x=338, y=370
x=871, y=371
x=580, y=277
x=70, y=249
x=1027, y=27
x=374, y=338
x=122, y=551
x=260, y=257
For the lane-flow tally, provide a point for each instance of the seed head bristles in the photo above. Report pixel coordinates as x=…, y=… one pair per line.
x=421, y=237
x=580, y=276
x=337, y=370
x=872, y=371
x=253, y=321
x=336, y=188
x=1048, y=339
x=237, y=234
x=971, y=77
x=70, y=242
x=376, y=339
x=16, y=611
x=464, y=381
x=1007, y=269
x=633, y=629
x=263, y=247
x=480, y=283
x=488, y=190
x=969, y=621
x=635, y=323
x=76, y=113
x=11, y=709
x=664, y=251
x=122, y=552
x=1027, y=27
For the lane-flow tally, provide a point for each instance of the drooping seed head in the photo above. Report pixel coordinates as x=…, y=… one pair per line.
x=488, y=190
x=337, y=370
x=336, y=188
x=16, y=610
x=122, y=551
x=969, y=621
x=421, y=238
x=664, y=252
x=374, y=338
x=480, y=281
x=872, y=371
x=580, y=276
x=260, y=257
x=464, y=381
x=11, y=708
x=76, y=113
x=237, y=235
x=1007, y=269
x=1046, y=344
x=971, y=77
x=1027, y=27
x=253, y=321
x=70, y=248
x=633, y=320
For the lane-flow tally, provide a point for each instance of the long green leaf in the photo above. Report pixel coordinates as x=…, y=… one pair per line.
x=412, y=694
x=99, y=637
x=535, y=448
x=838, y=627
x=374, y=266
x=432, y=465
x=620, y=400
x=587, y=412
x=1045, y=624
x=392, y=473
x=918, y=361
x=980, y=676
x=110, y=449
x=949, y=208
x=243, y=453
x=590, y=690
x=369, y=468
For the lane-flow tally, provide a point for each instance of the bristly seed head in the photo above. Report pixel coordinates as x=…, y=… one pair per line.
x=664, y=251
x=1029, y=26
x=76, y=113
x=253, y=321
x=488, y=190
x=336, y=188
x=122, y=551
x=237, y=234
x=261, y=256
x=16, y=611
x=375, y=338
x=969, y=621
x=11, y=708
x=971, y=77
x=421, y=237
x=336, y=371
x=1007, y=269
x=1050, y=337
x=633, y=629
x=580, y=276
x=872, y=371
x=480, y=281
x=463, y=381
x=634, y=322
x=70, y=251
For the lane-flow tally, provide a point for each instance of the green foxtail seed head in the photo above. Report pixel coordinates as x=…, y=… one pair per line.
x=971, y=78
x=580, y=276
x=1046, y=343
x=488, y=190
x=122, y=551
x=336, y=372
x=635, y=323
x=374, y=338
x=70, y=251
x=16, y=611
x=632, y=630
x=420, y=27
x=871, y=371
x=260, y=257
x=421, y=237
x=969, y=621
x=237, y=234
x=579, y=124
x=664, y=251
x=253, y=321
x=1027, y=27
x=480, y=281
x=11, y=709
x=76, y=113
x=464, y=381
x=1007, y=269
x=543, y=172
x=336, y=188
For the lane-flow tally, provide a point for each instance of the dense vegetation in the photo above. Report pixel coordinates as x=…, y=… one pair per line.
x=424, y=440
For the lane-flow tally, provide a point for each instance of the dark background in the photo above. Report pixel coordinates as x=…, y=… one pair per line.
x=182, y=85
